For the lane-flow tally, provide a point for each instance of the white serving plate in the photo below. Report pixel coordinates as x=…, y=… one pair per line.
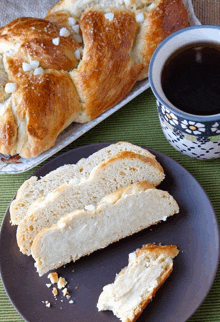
x=75, y=130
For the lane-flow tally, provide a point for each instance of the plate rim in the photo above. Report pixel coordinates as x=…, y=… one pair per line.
x=155, y=152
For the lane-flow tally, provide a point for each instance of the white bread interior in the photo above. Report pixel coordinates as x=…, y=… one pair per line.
x=35, y=188
x=136, y=284
x=84, y=231
x=116, y=172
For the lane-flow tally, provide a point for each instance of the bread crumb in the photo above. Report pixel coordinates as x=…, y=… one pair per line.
x=55, y=291
x=48, y=285
x=47, y=303
x=71, y=301
x=53, y=277
x=65, y=291
x=68, y=297
x=61, y=282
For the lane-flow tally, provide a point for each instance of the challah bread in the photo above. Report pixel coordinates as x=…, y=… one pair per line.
x=156, y=20
x=79, y=61
x=116, y=172
x=44, y=100
x=83, y=231
x=33, y=188
x=136, y=284
x=126, y=33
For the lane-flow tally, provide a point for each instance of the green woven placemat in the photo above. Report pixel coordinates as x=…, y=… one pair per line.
x=138, y=123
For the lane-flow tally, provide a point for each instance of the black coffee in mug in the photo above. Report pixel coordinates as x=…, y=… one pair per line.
x=191, y=79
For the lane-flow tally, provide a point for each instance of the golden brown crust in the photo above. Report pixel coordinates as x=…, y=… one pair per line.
x=46, y=117
x=107, y=72
x=148, y=299
x=116, y=54
x=43, y=105
x=8, y=130
x=169, y=250
x=128, y=155
x=35, y=39
x=166, y=18
x=138, y=187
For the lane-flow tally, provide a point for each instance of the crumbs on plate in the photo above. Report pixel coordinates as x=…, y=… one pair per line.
x=61, y=284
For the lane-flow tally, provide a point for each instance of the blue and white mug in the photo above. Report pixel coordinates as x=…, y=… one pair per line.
x=193, y=135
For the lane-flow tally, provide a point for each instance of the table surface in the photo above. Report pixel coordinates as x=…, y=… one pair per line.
x=138, y=123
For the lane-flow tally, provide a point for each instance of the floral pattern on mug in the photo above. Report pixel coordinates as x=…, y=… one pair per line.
x=193, y=127
x=215, y=128
x=169, y=116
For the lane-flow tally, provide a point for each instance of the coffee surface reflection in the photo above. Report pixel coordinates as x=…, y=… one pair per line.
x=191, y=79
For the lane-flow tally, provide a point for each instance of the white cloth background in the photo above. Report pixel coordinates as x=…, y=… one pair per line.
x=12, y=9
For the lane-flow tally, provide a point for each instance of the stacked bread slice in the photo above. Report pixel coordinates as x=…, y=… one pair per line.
x=114, y=173
x=100, y=200
x=82, y=232
x=34, y=188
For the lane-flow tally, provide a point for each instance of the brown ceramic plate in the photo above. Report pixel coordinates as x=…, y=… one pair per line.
x=194, y=230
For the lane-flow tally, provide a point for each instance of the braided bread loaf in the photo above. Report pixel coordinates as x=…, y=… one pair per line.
x=77, y=62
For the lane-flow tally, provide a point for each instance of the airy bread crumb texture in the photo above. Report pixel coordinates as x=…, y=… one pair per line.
x=107, y=177
x=35, y=188
x=136, y=284
x=117, y=216
x=55, y=291
x=61, y=282
x=53, y=277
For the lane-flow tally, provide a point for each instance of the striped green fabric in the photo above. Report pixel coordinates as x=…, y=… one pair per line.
x=138, y=123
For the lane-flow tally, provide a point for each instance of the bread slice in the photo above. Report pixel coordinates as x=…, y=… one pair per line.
x=33, y=188
x=136, y=284
x=82, y=232
x=116, y=172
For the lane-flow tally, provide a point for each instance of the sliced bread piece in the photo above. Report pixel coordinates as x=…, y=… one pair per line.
x=116, y=172
x=136, y=284
x=82, y=232
x=33, y=188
